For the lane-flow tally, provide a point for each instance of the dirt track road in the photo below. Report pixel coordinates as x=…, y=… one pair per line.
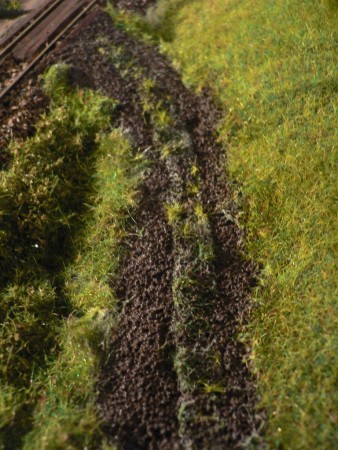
x=175, y=375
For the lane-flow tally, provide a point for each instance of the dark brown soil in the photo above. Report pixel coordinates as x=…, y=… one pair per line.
x=19, y=114
x=139, y=393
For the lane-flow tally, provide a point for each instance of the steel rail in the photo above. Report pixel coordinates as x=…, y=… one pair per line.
x=44, y=13
x=6, y=90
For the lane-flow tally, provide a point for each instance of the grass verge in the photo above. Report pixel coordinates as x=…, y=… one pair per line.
x=66, y=415
x=272, y=67
x=64, y=201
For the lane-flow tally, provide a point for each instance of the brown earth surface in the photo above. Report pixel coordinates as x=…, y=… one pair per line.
x=139, y=395
x=19, y=114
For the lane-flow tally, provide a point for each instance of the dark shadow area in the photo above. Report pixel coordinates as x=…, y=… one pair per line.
x=10, y=13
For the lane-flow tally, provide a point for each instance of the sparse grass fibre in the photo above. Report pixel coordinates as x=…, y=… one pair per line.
x=271, y=66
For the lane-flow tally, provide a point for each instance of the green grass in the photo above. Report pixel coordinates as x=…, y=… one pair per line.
x=193, y=289
x=64, y=202
x=9, y=9
x=271, y=66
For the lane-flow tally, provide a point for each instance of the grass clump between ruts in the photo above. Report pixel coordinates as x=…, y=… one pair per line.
x=63, y=202
x=272, y=66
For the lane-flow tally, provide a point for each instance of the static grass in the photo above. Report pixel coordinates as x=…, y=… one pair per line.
x=9, y=9
x=195, y=361
x=42, y=198
x=63, y=205
x=271, y=65
x=66, y=417
x=43, y=194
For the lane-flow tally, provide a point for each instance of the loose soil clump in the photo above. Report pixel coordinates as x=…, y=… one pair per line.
x=139, y=393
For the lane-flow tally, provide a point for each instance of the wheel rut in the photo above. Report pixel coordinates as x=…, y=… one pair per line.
x=138, y=386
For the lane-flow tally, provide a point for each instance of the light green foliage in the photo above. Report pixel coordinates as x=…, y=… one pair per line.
x=9, y=9
x=271, y=65
x=155, y=111
x=55, y=80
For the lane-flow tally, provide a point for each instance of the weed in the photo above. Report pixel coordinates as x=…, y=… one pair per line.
x=174, y=212
x=154, y=110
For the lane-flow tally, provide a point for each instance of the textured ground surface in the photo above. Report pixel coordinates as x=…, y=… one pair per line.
x=139, y=391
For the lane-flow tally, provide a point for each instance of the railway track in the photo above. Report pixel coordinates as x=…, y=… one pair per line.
x=31, y=39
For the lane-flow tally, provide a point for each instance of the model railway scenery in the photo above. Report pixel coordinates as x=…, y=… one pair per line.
x=168, y=217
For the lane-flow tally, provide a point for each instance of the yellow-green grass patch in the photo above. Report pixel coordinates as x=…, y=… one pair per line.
x=271, y=66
